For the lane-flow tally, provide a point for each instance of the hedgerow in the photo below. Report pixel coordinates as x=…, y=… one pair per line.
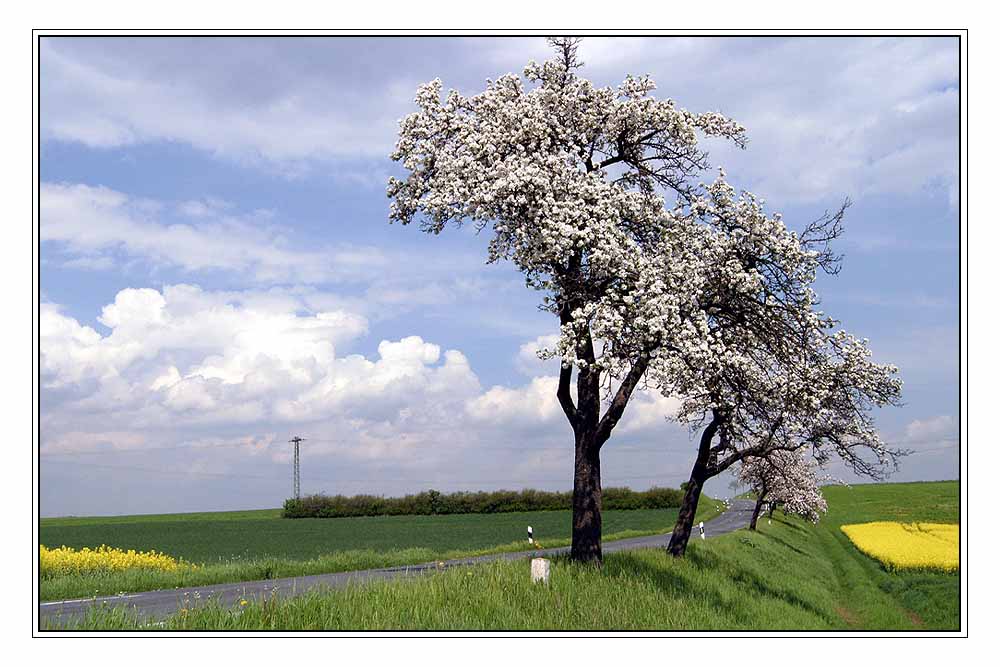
x=475, y=502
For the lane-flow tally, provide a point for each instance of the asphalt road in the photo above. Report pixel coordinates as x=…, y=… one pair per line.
x=155, y=605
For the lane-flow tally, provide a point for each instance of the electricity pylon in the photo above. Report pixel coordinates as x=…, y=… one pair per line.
x=295, y=474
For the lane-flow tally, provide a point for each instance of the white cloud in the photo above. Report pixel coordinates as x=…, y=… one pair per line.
x=826, y=117
x=188, y=384
x=648, y=410
x=527, y=361
x=95, y=222
x=535, y=403
x=941, y=427
x=244, y=100
x=186, y=357
x=100, y=229
x=215, y=335
x=840, y=118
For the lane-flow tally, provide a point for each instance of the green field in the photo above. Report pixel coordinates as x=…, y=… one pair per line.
x=258, y=544
x=791, y=575
x=224, y=536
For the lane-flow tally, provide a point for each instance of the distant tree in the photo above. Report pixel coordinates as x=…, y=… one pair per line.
x=785, y=477
x=569, y=178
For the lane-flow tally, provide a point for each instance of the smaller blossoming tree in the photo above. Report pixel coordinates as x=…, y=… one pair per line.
x=784, y=477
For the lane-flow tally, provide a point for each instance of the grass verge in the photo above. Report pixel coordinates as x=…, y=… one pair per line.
x=377, y=530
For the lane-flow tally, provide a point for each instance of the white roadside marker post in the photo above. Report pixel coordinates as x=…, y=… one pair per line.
x=530, y=539
x=701, y=529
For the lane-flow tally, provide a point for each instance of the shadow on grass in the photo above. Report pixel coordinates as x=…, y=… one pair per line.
x=675, y=584
x=788, y=545
x=797, y=526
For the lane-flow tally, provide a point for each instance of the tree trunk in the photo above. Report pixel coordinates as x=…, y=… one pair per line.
x=685, y=519
x=587, y=503
x=590, y=432
x=756, y=511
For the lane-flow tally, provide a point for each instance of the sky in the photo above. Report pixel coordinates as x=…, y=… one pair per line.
x=218, y=273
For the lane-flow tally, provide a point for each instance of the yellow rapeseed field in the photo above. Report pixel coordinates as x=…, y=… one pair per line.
x=907, y=546
x=103, y=559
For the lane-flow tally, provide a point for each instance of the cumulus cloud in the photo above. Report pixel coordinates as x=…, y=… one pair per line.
x=648, y=410
x=535, y=405
x=202, y=357
x=524, y=406
x=184, y=384
x=527, y=361
x=212, y=337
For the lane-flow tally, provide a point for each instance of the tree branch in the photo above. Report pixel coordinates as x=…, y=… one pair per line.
x=618, y=403
x=565, y=400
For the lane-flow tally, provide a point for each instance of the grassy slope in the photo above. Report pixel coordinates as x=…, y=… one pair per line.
x=790, y=575
x=244, y=546
x=926, y=599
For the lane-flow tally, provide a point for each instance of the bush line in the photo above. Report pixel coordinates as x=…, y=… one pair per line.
x=465, y=502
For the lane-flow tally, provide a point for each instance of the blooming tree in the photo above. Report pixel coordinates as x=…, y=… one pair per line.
x=570, y=178
x=785, y=477
x=767, y=370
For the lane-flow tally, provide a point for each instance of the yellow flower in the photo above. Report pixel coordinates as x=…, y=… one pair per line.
x=902, y=546
x=104, y=559
x=243, y=603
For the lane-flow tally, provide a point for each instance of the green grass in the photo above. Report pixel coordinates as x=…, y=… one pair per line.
x=928, y=600
x=254, y=545
x=790, y=575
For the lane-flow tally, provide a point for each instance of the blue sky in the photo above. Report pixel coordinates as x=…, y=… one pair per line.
x=218, y=272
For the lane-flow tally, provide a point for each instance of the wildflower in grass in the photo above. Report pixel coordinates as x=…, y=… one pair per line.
x=907, y=546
